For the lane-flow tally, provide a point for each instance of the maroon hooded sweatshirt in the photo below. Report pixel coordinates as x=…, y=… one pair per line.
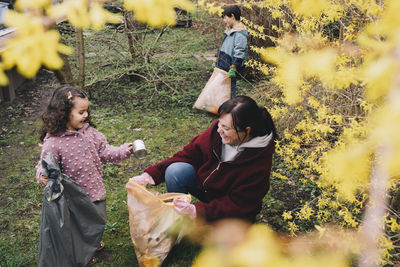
x=233, y=189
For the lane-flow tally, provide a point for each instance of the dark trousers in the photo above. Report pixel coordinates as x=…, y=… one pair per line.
x=233, y=88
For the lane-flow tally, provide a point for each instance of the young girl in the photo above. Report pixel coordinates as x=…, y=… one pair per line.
x=69, y=135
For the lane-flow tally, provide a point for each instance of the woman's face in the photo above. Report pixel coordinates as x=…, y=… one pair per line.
x=228, y=133
x=78, y=114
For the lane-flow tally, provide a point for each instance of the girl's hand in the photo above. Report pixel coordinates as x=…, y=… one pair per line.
x=130, y=148
x=44, y=180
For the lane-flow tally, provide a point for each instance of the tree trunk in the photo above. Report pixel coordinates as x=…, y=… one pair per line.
x=128, y=30
x=80, y=50
x=64, y=75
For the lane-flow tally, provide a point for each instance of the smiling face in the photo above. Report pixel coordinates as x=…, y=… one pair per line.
x=228, y=133
x=78, y=114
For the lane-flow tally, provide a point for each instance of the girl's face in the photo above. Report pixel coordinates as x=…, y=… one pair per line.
x=78, y=114
x=228, y=133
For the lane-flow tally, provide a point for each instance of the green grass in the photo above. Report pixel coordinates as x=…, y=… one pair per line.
x=159, y=112
x=21, y=196
x=123, y=111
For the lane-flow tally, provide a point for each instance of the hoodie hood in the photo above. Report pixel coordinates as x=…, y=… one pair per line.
x=256, y=142
x=229, y=152
x=237, y=28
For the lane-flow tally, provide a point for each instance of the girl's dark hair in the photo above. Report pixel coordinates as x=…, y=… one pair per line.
x=232, y=10
x=246, y=113
x=56, y=115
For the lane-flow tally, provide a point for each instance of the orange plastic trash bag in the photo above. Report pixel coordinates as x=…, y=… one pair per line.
x=154, y=224
x=216, y=92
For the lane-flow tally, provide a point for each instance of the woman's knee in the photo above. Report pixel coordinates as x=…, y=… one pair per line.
x=179, y=172
x=179, y=168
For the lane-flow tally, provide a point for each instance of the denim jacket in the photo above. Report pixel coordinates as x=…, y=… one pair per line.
x=233, y=50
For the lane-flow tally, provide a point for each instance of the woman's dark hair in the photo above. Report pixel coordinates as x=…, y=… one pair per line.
x=56, y=115
x=246, y=113
x=232, y=10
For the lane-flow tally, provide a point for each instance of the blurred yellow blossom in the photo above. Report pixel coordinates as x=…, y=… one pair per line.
x=379, y=76
x=210, y=257
x=99, y=16
x=21, y=4
x=259, y=249
x=76, y=11
x=157, y=12
x=83, y=13
x=347, y=168
x=32, y=46
x=387, y=127
x=3, y=76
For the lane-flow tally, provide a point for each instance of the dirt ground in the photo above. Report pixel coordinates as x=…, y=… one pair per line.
x=31, y=98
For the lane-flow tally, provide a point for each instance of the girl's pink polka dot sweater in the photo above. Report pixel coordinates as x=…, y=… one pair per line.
x=80, y=155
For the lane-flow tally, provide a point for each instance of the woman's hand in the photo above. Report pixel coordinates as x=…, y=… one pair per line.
x=44, y=180
x=144, y=179
x=183, y=206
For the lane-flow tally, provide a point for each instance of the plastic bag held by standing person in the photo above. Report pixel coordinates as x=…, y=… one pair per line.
x=216, y=92
x=154, y=224
x=71, y=228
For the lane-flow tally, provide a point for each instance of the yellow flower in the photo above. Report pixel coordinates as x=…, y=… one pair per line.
x=22, y=4
x=3, y=76
x=157, y=12
x=84, y=14
x=278, y=175
x=32, y=46
x=293, y=228
x=260, y=248
x=393, y=225
x=76, y=12
x=321, y=230
x=305, y=212
x=287, y=215
x=99, y=16
x=210, y=257
x=348, y=168
x=379, y=76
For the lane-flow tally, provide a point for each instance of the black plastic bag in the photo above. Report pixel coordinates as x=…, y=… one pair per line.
x=71, y=228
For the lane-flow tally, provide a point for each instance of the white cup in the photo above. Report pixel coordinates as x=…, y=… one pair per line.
x=139, y=149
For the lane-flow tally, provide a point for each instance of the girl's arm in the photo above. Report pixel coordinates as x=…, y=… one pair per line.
x=49, y=146
x=109, y=153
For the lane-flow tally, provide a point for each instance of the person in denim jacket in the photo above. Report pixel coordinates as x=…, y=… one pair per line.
x=232, y=54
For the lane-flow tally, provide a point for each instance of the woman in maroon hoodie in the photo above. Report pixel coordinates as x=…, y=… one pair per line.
x=227, y=167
